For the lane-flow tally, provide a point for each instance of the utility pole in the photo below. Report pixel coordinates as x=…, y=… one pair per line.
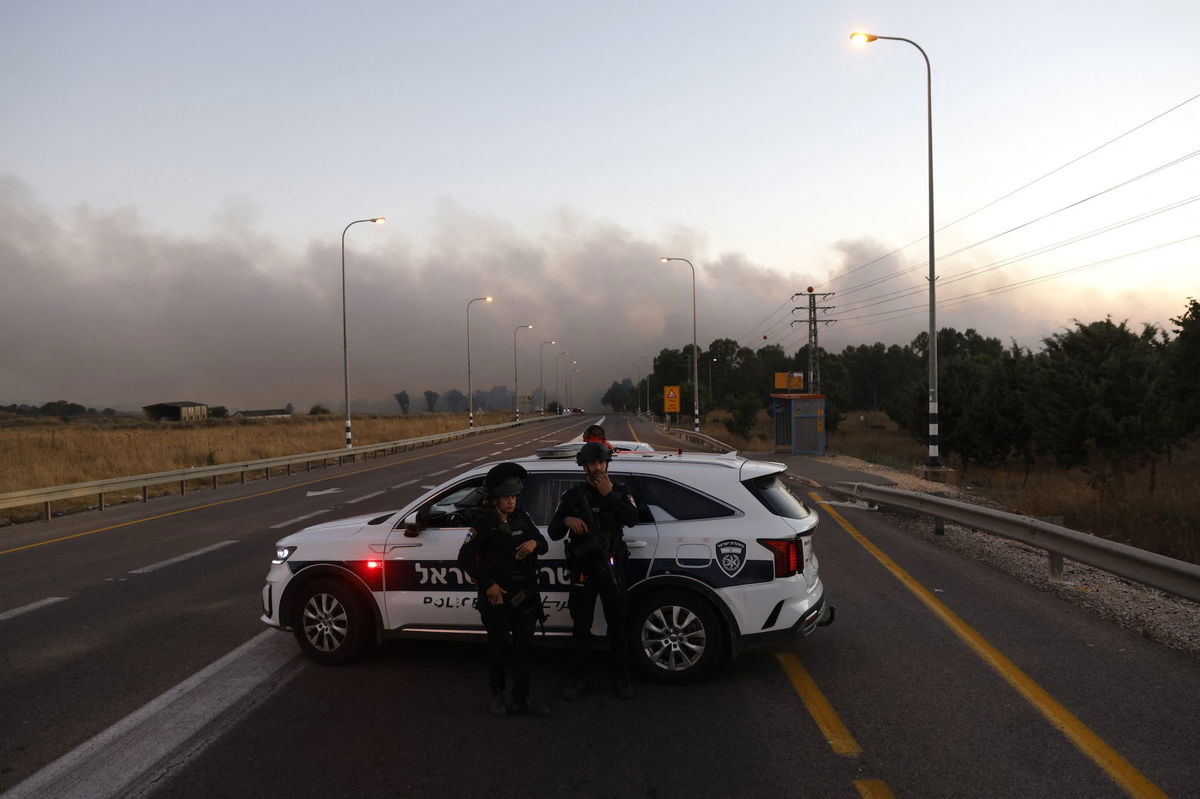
x=813, y=385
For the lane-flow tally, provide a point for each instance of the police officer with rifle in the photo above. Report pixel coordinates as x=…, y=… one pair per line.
x=592, y=516
x=500, y=554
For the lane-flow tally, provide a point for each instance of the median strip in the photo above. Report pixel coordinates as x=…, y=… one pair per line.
x=179, y=558
x=300, y=518
x=41, y=603
x=372, y=495
x=164, y=734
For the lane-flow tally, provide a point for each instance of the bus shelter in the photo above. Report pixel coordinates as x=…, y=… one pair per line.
x=799, y=423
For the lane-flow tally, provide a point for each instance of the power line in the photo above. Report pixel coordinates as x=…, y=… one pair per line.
x=1076, y=203
x=1016, y=190
x=913, y=310
x=879, y=299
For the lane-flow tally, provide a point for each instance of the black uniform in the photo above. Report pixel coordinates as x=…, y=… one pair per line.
x=597, y=562
x=488, y=556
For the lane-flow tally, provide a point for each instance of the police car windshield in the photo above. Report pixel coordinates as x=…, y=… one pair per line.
x=771, y=492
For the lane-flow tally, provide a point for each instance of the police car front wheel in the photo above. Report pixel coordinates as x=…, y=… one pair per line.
x=677, y=637
x=330, y=622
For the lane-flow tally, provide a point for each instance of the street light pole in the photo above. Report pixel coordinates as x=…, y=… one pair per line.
x=379, y=220
x=649, y=372
x=695, y=350
x=516, y=393
x=470, y=393
x=557, y=396
x=541, y=372
x=637, y=367
x=934, y=461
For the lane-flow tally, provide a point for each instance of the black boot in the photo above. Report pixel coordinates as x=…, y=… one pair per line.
x=498, y=708
x=625, y=687
x=529, y=707
x=575, y=689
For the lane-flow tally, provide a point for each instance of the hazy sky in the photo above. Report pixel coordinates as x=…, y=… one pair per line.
x=175, y=178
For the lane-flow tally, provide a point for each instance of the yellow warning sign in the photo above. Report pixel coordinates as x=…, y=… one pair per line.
x=789, y=381
x=670, y=399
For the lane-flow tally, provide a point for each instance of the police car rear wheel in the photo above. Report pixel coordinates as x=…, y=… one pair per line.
x=677, y=637
x=330, y=622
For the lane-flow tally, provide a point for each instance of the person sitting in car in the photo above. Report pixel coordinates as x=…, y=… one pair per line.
x=596, y=433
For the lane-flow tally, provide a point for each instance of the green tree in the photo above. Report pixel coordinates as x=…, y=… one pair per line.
x=1182, y=360
x=620, y=396
x=431, y=398
x=403, y=401
x=218, y=412
x=1100, y=394
x=456, y=401
x=318, y=410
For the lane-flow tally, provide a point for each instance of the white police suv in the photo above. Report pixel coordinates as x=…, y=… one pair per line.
x=720, y=559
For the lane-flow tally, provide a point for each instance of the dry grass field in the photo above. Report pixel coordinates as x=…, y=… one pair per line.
x=41, y=453
x=1165, y=520
x=49, y=452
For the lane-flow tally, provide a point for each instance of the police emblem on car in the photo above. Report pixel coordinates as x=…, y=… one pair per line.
x=731, y=556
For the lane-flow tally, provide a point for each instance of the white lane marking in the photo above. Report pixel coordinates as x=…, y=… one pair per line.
x=460, y=465
x=41, y=603
x=178, y=558
x=322, y=493
x=364, y=496
x=427, y=487
x=477, y=460
x=497, y=452
x=300, y=518
x=435, y=474
x=405, y=483
x=130, y=751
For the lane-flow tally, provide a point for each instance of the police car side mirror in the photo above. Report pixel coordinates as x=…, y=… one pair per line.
x=414, y=523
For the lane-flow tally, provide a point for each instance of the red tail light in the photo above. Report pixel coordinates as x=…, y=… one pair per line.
x=788, y=554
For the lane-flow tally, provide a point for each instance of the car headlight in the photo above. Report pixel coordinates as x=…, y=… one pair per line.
x=282, y=554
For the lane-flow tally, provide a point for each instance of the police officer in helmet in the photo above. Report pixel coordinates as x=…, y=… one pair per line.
x=592, y=516
x=500, y=554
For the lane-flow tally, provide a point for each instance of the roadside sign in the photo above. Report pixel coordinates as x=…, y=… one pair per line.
x=670, y=399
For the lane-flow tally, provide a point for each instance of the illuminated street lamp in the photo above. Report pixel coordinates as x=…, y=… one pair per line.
x=934, y=459
x=379, y=220
x=695, y=350
x=470, y=393
x=541, y=372
x=516, y=393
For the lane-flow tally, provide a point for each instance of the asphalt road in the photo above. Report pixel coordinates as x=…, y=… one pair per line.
x=940, y=676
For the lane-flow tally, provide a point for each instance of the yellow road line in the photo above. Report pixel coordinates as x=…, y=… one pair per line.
x=1118, y=768
x=873, y=789
x=822, y=712
x=635, y=435
x=339, y=475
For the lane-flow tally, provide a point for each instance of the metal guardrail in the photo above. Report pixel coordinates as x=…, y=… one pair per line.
x=1149, y=568
x=46, y=496
x=701, y=439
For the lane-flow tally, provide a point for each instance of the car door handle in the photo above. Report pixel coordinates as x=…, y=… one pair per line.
x=402, y=546
x=633, y=543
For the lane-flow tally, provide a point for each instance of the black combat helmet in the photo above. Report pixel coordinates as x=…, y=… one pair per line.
x=504, y=480
x=593, y=451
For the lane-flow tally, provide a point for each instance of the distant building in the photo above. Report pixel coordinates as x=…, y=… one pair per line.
x=176, y=411
x=265, y=414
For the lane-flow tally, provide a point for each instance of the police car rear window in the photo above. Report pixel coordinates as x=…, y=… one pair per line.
x=771, y=492
x=680, y=502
